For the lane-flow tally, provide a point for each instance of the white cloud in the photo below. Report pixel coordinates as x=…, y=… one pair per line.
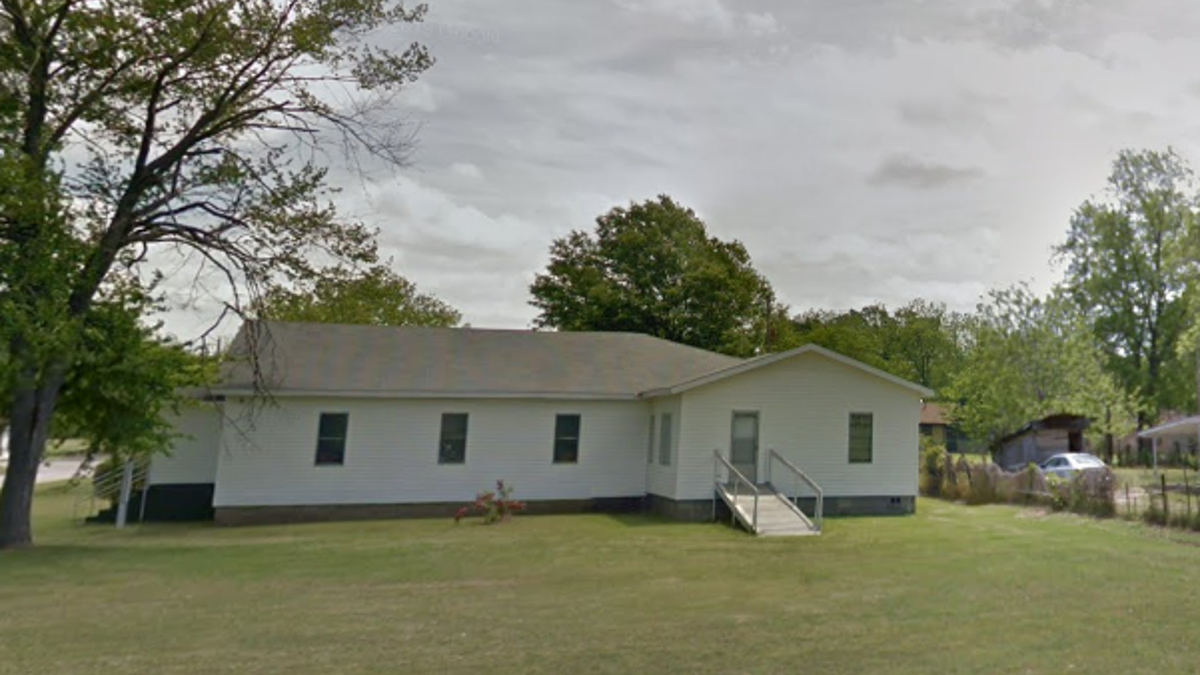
x=419, y=96
x=478, y=262
x=709, y=13
x=762, y=24
x=466, y=170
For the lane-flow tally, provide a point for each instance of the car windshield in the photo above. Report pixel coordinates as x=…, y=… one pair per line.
x=1088, y=461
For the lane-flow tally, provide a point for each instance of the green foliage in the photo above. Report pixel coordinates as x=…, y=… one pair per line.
x=1127, y=271
x=921, y=341
x=652, y=268
x=158, y=134
x=933, y=463
x=1180, y=521
x=1154, y=514
x=1090, y=493
x=494, y=506
x=376, y=296
x=125, y=380
x=1032, y=357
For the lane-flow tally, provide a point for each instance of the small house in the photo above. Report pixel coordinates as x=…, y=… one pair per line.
x=936, y=426
x=366, y=421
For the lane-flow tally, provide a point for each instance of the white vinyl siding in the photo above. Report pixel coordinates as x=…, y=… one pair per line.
x=665, y=447
x=660, y=479
x=804, y=405
x=650, y=442
x=391, y=457
x=193, y=456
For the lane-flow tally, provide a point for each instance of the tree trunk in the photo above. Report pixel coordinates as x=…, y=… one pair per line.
x=1141, y=445
x=29, y=427
x=1108, y=437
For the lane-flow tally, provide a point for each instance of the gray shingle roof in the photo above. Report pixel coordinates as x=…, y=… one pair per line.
x=382, y=361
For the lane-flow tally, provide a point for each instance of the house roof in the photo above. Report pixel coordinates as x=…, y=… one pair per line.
x=933, y=413
x=334, y=359
x=1188, y=427
x=768, y=359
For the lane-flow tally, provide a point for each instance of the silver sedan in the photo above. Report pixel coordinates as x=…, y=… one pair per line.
x=1067, y=464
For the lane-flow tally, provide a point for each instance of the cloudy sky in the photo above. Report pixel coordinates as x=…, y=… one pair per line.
x=863, y=150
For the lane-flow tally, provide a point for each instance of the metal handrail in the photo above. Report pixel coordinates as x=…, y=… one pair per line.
x=734, y=473
x=112, y=482
x=818, y=514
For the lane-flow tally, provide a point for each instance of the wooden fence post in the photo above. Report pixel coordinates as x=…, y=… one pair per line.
x=1187, y=492
x=1166, y=504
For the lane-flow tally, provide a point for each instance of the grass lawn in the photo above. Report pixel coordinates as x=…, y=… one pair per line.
x=954, y=589
x=1144, y=476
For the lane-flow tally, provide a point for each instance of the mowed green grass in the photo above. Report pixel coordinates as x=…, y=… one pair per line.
x=954, y=589
x=1145, y=477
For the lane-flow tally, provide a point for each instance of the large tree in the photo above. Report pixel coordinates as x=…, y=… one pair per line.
x=652, y=268
x=863, y=334
x=375, y=296
x=921, y=341
x=1124, y=270
x=135, y=130
x=1031, y=357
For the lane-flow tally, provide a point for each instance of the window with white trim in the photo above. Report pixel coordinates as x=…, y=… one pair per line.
x=452, y=443
x=332, y=429
x=862, y=437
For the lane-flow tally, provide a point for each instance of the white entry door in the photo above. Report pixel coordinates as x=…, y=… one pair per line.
x=743, y=444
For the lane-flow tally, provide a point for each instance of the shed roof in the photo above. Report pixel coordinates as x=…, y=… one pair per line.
x=1063, y=421
x=336, y=359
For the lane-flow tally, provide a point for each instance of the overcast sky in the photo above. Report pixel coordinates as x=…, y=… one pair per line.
x=864, y=151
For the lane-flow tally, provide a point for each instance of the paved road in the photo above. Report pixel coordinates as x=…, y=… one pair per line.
x=57, y=469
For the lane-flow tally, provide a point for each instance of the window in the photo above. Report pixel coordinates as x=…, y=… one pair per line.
x=650, y=443
x=331, y=438
x=664, y=440
x=566, y=439
x=452, y=448
x=861, y=437
x=926, y=429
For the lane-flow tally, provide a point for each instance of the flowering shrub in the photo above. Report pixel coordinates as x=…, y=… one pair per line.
x=495, y=506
